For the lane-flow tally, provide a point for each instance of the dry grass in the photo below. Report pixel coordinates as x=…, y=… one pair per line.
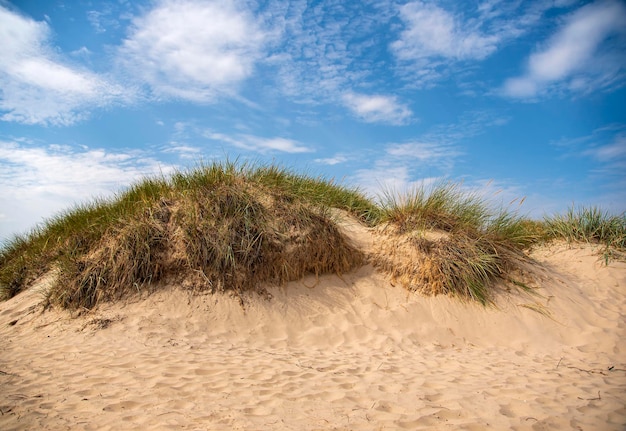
x=217, y=227
x=591, y=225
x=238, y=227
x=474, y=247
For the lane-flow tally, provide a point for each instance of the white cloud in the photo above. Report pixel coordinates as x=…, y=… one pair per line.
x=184, y=151
x=436, y=155
x=331, y=161
x=377, y=108
x=384, y=178
x=82, y=52
x=194, y=50
x=36, y=182
x=401, y=165
x=607, y=147
x=434, y=32
x=423, y=151
x=573, y=57
x=611, y=152
x=259, y=144
x=103, y=19
x=604, y=155
x=399, y=168
x=38, y=88
x=328, y=47
x=439, y=39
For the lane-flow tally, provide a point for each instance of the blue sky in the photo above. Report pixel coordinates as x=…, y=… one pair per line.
x=517, y=99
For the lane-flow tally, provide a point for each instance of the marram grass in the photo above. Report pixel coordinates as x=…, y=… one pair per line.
x=590, y=225
x=217, y=227
x=233, y=226
x=444, y=240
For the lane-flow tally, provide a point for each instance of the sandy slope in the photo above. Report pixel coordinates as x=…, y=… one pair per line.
x=335, y=353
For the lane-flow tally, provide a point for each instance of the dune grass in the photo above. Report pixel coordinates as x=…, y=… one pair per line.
x=222, y=226
x=472, y=247
x=590, y=225
x=236, y=226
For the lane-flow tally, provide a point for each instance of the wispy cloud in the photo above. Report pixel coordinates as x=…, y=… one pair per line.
x=580, y=57
x=329, y=48
x=183, y=151
x=431, y=31
x=607, y=147
x=377, y=108
x=434, y=155
x=331, y=161
x=39, y=181
x=401, y=167
x=614, y=151
x=385, y=177
x=604, y=151
x=103, y=19
x=438, y=39
x=38, y=87
x=424, y=152
x=434, y=39
x=259, y=144
x=194, y=50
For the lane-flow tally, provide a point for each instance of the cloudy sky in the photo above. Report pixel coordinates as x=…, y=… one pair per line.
x=521, y=99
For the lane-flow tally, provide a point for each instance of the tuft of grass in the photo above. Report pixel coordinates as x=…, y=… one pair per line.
x=589, y=224
x=70, y=234
x=443, y=206
x=128, y=256
x=318, y=191
x=219, y=227
x=471, y=248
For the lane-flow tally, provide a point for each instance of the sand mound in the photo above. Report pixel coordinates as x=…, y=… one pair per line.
x=228, y=237
x=346, y=352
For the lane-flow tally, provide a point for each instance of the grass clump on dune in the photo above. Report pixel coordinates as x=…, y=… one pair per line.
x=217, y=227
x=591, y=225
x=319, y=191
x=447, y=241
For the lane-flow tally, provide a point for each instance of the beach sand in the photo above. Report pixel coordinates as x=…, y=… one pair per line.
x=342, y=353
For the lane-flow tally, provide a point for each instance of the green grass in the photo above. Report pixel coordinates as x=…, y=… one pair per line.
x=476, y=245
x=237, y=226
x=222, y=226
x=443, y=206
x=319, y=191
x=590, y=225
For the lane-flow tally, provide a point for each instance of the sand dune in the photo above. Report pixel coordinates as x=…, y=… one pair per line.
x=350, y=352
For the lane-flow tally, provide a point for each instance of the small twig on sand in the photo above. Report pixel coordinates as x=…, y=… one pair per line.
x=589, y=371
x=598, y=398
x=557, y=365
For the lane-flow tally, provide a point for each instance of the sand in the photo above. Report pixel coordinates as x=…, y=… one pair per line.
x=341, y=353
